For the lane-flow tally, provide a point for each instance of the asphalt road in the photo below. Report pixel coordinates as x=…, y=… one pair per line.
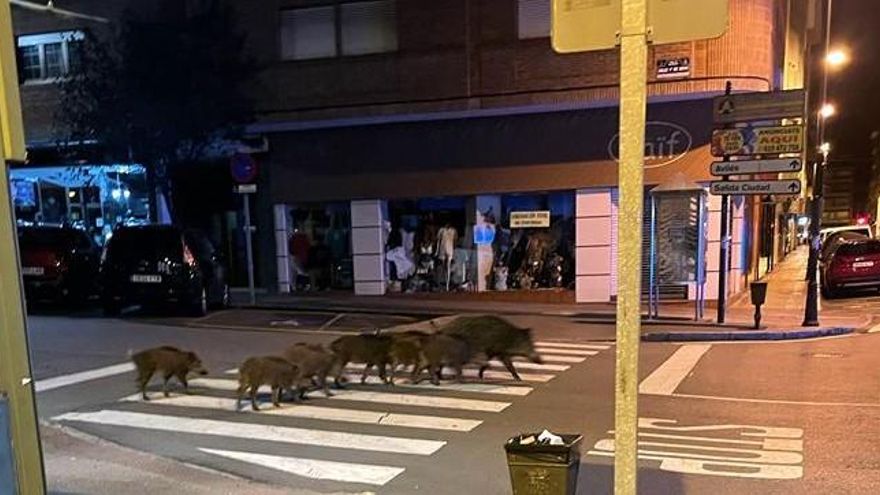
x=795, y=417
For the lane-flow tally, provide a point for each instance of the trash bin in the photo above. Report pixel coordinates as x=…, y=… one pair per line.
x=543, y=469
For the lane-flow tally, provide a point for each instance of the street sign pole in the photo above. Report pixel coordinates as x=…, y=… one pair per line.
x=16, y=378
x=633, y=100
x=724, y=251
x=249, y=248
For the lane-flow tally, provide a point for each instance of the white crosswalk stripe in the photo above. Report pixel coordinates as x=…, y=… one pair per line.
x=383, y=418
x=406, y=419
x=378, y=397
x=253, y=431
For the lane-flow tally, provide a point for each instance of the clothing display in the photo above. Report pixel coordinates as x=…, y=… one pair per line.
x=403, y=267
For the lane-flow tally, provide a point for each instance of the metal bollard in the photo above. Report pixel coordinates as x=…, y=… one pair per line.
x=758, y=291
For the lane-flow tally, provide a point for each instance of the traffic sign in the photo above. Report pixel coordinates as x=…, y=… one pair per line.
x=743, y=141
x=749, y=187
x=245, y=188
x=741, y=167
x=582, y=26
x=243, y=168
x=743, y=107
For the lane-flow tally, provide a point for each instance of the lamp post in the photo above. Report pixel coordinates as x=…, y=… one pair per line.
x=831, y=59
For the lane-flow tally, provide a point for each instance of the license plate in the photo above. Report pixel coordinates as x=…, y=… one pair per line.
x=33, y=270
x=863, y=264
x=147, y=279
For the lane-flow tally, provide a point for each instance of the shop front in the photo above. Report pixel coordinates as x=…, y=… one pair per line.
x=91, y=197
x=496, y=203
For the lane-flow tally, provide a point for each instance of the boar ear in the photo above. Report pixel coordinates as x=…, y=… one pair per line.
x=192, y=356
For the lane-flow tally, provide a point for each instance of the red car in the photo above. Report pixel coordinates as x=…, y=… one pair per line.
x=853, y=263
x=58, y=263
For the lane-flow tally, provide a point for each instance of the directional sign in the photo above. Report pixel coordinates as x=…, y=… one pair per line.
x=748, y=187
x=744, y=107
x=741, y=167
x=743, y=141
x=245, y=188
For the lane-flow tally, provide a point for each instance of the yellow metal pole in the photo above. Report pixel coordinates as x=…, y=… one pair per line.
x=633, y=86
x=15, y=370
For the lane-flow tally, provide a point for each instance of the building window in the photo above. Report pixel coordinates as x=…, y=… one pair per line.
x=368, y=27
x=353, y=28
x=308, y=33
x=533, y=19
x=49, y=56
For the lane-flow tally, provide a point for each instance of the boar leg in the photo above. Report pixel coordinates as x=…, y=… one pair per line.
x=366, y=370
x=239, y=394
x=325, y=385
x=181, y=377
x=144, y=378
x=509, y=365
x=167, y=376
x=382, y=372
x=458, y=373
x=276, y=396
x=253, y=393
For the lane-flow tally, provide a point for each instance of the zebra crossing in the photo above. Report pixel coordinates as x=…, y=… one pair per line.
x=393, y=423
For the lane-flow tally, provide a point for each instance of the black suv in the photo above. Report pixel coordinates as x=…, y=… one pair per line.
x=158, y=264
x=58, y=263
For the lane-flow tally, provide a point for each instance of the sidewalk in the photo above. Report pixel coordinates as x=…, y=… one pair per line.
x=77, y=463
x=783, y=310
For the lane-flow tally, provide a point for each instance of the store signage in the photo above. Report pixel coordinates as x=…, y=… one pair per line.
x=529, y=219
x=750, y=187
x=741, y=167
x=744, y=107
x=744, y=141
x=672, y=68
x=665, y=143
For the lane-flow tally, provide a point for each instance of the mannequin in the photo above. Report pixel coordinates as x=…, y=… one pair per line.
x=446, y=238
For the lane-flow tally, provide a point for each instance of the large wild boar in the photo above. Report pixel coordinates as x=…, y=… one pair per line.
x=495, y=338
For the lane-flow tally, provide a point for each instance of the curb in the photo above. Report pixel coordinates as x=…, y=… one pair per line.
x=746, y=335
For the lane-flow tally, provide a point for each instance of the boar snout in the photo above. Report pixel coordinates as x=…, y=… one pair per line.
x=535, y=358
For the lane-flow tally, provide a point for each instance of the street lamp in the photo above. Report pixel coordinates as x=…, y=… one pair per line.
x=836, y=58
x=827, y=110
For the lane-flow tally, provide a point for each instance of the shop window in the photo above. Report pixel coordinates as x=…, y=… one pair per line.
x=49, y=56
x=533, y=19
x=319, y=246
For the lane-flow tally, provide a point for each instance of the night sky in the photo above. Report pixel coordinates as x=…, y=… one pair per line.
x=855, y=88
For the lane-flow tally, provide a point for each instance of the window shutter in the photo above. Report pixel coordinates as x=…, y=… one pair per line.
x=533, y=19
x=369, y=27
x=308, y=33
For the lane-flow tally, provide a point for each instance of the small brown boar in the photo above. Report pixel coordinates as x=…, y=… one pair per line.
x=406, y=350
x=439, y=350
x=273, y=371
x=315, y=364
x=168, y=360
x=371, y=349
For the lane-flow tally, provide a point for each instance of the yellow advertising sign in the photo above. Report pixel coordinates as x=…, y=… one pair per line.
x=758, y=141
x=529, y=219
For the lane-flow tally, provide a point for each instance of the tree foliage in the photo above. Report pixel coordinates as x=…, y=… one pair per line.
x=159, y=91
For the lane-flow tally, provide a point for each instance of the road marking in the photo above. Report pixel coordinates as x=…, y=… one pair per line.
x=82, y=376
x=565, y=345
x=482, y=388
x=252, y=431
x=332, y=321
x=561, y=359
x=777, y=401
x=761, y=452
x=382, y=418
x=544, y=351
x=346, y=472
x=669, y=375
x=488, y=374
x=379, y=397
x=525, y=365
x=874, y=329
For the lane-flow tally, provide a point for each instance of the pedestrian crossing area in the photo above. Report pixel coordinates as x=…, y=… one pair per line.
x=360, y=437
